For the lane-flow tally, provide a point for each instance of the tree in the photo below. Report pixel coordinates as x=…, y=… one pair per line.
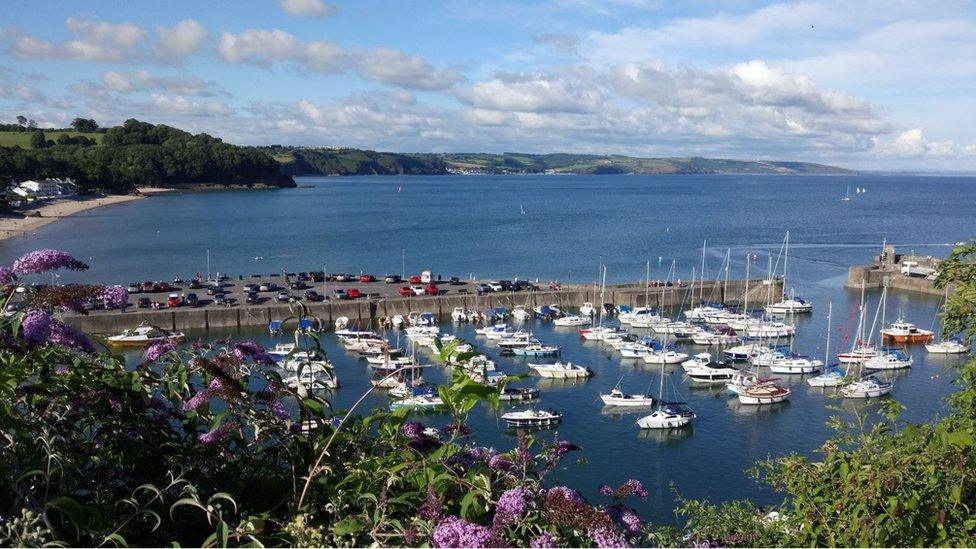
x=38, y=141
x=22, y=120
x=31, y=124
x=84, y=125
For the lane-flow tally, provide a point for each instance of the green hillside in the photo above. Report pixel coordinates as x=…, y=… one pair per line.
x=23, y=138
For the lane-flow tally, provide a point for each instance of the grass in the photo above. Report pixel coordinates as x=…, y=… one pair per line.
x=11, y=139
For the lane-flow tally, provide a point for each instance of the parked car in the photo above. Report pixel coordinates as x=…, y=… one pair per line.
x=195, y=284
x=162, y=286
x=431, y=289
x=173, y=301
x=522, y=285
x=312, y=295
x=406, y=291
x=282, y=296
x=353, y=293
x=483, y=289
x=268, y=287
x=418, y=289
x=495, y=286
x=214, y=290
x=177, y=281
x=341, y=277
x=366, y=278
x=303, y=277
x=339, y=293
x=220, y=299
x=455, y=281
x=133, y=288
x=392, y=279
x=415, y=279
x=192, y=300
x=317, y=276
x=251, y=287
x=252, y=298
x=144, y=302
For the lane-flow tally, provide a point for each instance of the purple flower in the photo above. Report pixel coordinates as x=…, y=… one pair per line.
x=456, y=427
x=412, y=429
x=40, y=261
x=203, y=396
x=218, y=434
x=606, y=490
x=36, y=326
x=61, y=370
x=500, y=462
x=69, y=338
x=607, y=537
x=512, y=505
x=6, y=275
x=278, y=409
x=249, y=349
x=158, y=349
x=567, y=494
x=626, y=518
x=115, y=295
x=431, y=508
x=543, y=541
x=563, y=447
x=636, y=488
x=454, y=532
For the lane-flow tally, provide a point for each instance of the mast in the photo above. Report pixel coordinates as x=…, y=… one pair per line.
x=603, y=289
x=830, y=306
x=647, y=283
x=745, y=305
x=728, y=266
x=786, y=258
x=701, y=276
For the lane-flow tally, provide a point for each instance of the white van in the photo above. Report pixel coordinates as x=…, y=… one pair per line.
x=426, y=277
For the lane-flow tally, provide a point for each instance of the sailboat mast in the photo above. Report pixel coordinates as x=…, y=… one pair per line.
x=830, y=308
x=728, y=266
x=701, y=276
x=786, y=259
x=647, y=284
x=745, y=305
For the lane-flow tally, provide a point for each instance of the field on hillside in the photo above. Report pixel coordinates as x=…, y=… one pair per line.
x=10, y=139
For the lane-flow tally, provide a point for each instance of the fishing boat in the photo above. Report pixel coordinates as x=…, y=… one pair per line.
x=518, y=394
x=143, y=335
x=764, y=392
x=537, y=349
x=713, y=372
x=830, y=375
x=952, y=346
x=893, y=360
x=616, y=397
x=560, y=370
x=906, y=333
x=665, y=356
x=533, y=418
x=573, y=320
x=867, y=387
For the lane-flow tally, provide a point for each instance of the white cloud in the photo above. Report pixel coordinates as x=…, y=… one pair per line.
x=307, y=8
x=567, y=92
x=408, y=71
x=913, y=144
x=183, y=38
x=127, y=82
x=179, y=105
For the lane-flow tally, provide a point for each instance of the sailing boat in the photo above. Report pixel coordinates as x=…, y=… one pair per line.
x=522, y=209
x=702, y=310
x=600, y=332
x=832, y=375
x=847, y=195
x=669, y=415
x=946, y=346
x=867, y=386
x=860, y=350
x=794, y=304
x=889, y=359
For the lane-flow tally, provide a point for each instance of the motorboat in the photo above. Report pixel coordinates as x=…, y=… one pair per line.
x=421, y=330
x=700, y=313
x=547, y=312
x=867, y=387
x=794, y=305
x=649, y=321
x=536, y=349
x=587, y=309
x=422, y=319
x=520, y=313
x=768, y=330
x=894, y=360
x=795, y=364
x=512, y=394
x=616, y=397
x=517, y=340
x=764, y=392
x=533, y=418
x=831, y=376
x=561, y=370
x=311, y=374
x=741, y=381
x=858, y=354
x=669, y=415
x=718, y=337
x=634, y=350
x=143, y=335
x=700, y=359
x=906, y=333
x=767, y=356
x=742, y=352
x=713, y=372
x=422, y=399
x=496, y=331
x=573, y=320
x=665, y=356
x=460, y=314
x=948, y=347
x=599, y=333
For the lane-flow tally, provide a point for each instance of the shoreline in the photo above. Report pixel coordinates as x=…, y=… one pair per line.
x=55, y=210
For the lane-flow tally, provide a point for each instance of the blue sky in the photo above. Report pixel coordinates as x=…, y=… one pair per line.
x=878, y=85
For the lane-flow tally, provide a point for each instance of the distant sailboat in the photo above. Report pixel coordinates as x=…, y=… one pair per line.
x=522, y=209
x=847, y=195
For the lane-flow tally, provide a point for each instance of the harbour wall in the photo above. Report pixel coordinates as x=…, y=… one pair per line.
x=369, y=312
x=885, y=270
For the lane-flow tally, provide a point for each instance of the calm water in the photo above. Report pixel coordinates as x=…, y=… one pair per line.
x=473, y=225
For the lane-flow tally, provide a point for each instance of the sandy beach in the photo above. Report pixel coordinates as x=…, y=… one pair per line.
x=57, y=209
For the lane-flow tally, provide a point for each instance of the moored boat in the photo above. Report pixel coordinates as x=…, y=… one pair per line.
x=616, y=397
x=561, y=370
x=143, y=335
x=533, y=418
x=763, y=392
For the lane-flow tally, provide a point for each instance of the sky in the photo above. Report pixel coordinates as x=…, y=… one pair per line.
x=885, y=85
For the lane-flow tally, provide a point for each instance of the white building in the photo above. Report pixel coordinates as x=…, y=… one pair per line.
x=45, y=188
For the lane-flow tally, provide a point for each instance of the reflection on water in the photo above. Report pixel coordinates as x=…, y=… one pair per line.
x=756, y=409
x=667, y=436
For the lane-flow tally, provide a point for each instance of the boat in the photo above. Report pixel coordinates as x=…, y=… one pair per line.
x=310, y=374
x=700, y=359
x=713, y=372
x=496, y=331
x=665, y=356
x=830, y=375
x=952, y=346
x=795, y=364
x=560, y=370
x=616, y=397
x=634, y=350
x=669, y=415
x=274, y=327
x=573, y=320
x=547, y=312
x=741, y=381
x=847, y=195
x=422, y=399
x=533, y=418
x=520, y=313
x=867, y=387
x=794, y=305
x=536, y=349
x=764, y=392
x=587, y=309
x=600, y=333
x=460, y=314
x=628, y=315
x=516, y=340
x=742, y=352
x=721, y=336
x=894, y=360
x=906, y=333
x=518, y=393
x=143, y=335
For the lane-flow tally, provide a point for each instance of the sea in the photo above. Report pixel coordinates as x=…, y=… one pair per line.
x=565, y=229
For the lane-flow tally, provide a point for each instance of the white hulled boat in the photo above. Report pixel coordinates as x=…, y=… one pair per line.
x=143, y=335
x=561, y=370
x=951, y=346
x=616, y=397
x=764, y=392
x=532, y=418
x=572, y=320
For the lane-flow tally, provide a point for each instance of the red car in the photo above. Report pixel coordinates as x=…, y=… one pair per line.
x=415, y=279
x=173, y=301
x=353, y=293
x=431, y=290
x=405, y=291
x=367, y=278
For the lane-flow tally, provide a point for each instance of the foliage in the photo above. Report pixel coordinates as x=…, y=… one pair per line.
x=140, y=154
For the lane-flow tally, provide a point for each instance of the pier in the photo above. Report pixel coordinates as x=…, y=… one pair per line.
x=381, y=303
x=906, y=272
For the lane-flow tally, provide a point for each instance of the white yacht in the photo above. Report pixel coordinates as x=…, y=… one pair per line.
x=532, y=418
x=713, y=372
x=616, y=397
x=948, y=347
x=561, y=370
x=573, y=320
x=520, y=313
x=587, y=309
x=763, y=392
x=143, y=335
x=867, y=387
x=795, y=365
x=794, y=305
x=894, y=360
x=669, y=415
x=665, y=356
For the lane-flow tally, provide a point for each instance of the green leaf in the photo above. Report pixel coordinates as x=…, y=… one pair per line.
x=348, y=526
x=71, y=508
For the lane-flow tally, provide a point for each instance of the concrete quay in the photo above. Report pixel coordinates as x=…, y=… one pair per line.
x=887, y=270
x=371, y=311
